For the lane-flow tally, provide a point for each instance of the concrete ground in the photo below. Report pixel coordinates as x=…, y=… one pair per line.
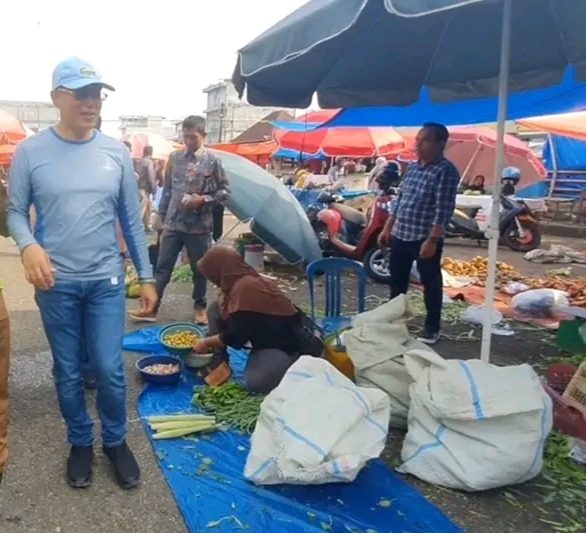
x=34, y=497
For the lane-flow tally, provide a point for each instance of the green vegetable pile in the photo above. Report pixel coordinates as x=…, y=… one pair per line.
x=131, y=283
x=566, y=486
x=451, y=313
x=231, y=404
x=182, y=274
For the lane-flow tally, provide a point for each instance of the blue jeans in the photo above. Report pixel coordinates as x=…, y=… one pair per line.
x=79, y=318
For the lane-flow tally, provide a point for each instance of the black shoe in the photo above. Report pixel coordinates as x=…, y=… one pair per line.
x=126, y=469
x=79, y=466
x=429, y=337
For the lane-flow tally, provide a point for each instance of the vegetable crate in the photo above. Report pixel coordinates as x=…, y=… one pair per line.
x=575, y=393
x=566, y=418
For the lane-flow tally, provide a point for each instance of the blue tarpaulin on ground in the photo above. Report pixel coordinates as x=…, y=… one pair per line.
x=205, y=476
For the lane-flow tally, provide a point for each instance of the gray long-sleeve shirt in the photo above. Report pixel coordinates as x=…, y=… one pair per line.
x=78, y=189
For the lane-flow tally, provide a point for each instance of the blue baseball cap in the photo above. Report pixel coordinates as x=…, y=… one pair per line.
x=75, y=73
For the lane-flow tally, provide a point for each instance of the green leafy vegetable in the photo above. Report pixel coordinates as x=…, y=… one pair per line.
x=230, y=404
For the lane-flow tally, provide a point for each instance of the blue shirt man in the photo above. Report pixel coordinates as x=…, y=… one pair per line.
x=418, y=217
x=80, y=182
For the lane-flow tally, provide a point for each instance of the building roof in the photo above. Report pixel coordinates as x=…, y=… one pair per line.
x=217, y=85
x=263, y=129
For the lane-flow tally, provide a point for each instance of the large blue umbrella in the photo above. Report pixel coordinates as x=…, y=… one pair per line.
x=276, y=216
x=382, y=52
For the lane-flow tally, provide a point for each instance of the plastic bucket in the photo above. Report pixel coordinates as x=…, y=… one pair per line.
x=254, y=255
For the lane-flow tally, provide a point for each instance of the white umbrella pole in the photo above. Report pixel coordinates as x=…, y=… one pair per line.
x=493, y=230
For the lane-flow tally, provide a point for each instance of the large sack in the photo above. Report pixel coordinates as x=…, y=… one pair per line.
x=474, y=426
x=376, y=345
x=316, y=427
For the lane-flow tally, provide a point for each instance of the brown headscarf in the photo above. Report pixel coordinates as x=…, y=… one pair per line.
x=243, y=289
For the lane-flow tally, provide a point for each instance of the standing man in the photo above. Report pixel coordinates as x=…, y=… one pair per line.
x=81, y=182
x=418, y=217
x=195, y=181
x=147, y=183
x=4, y=361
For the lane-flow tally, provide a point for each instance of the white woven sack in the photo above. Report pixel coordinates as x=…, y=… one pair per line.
x=376, y=345
x=316, y=427
x=474, y=426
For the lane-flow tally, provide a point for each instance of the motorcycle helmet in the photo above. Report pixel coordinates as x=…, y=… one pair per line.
x=390, y=176
x=325, y=197
x=511, y=174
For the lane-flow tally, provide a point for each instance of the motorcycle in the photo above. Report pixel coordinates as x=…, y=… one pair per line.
x=347, y=232
x=518, y=228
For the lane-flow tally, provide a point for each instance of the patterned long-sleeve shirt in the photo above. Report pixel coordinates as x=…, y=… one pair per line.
x=199, y=173
x=427, y=198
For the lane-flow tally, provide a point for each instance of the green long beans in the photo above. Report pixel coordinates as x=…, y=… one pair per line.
x=231, y=404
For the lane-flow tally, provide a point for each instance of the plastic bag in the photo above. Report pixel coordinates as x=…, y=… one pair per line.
x=514, y=287
x=578, y=451
x=541, y=303
x=475, y=315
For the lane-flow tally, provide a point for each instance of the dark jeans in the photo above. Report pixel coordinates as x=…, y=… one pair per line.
x=402, y=256
x=218, y=221
x=171, y=244
x=84, y=323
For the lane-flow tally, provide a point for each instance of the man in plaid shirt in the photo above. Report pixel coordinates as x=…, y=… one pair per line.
x=418, y=217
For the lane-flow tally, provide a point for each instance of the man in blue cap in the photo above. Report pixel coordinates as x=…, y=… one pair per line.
x=80, y=181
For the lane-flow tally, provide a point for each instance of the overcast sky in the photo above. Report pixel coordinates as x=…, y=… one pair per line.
x=158, y=55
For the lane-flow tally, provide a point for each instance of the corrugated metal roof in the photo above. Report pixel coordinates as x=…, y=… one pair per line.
x=262, y=130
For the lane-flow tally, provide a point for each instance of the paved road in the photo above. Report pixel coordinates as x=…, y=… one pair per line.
x=34, y=497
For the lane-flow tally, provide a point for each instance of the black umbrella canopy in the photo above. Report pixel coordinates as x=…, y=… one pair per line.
x=382, y=52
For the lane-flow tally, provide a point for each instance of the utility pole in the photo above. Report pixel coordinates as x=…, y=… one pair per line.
x=222, y=114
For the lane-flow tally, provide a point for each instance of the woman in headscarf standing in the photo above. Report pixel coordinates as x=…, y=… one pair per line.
x=251, y=310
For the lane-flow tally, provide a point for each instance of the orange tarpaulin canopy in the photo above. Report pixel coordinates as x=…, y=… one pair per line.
x=568, y=124
x=12, y=131
x=262, y=149
x=6, y=153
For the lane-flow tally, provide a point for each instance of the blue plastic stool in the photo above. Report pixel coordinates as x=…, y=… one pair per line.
x=333, y=268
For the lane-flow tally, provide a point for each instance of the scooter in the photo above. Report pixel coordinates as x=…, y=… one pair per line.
x=518, y=228
x=346, y=232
